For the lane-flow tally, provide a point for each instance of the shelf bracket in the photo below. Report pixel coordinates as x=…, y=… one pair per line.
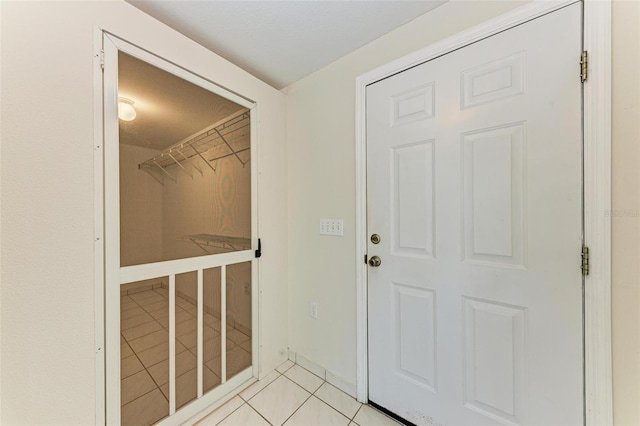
x=203, y=159
x=227, y=143
x=165, y=172
x=146, y=169
x=193, y=164
x=181, y=166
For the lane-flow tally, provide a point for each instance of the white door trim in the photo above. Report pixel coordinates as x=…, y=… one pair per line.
x=106, y=206
x=597, y=189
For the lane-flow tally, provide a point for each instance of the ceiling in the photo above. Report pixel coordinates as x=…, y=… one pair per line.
x=168, y=108
x=281, y=42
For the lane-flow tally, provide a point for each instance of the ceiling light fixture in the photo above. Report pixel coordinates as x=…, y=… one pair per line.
x=126, y=112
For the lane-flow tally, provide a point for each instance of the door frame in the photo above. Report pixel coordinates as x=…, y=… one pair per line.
x=107, y=265
x=598, y=394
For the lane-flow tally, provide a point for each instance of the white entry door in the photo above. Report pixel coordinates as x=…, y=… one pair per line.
x=474, y=185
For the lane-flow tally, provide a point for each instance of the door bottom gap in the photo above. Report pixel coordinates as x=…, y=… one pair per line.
x=391, y=414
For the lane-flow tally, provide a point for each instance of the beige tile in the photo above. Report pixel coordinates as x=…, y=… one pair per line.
x=247, y=346
x=125, y=351
x=146, y=297
x=368, y=416
x=304, y=378
x=249, y=392
x=236, y=336
x=157, y=306
x=158, y=353
x=162, y=292
x=135, y=386
x=279, y=400
x=145, y=410
x=210, y=349
x=237, y=360
x=159, y=313
x=130, y=313
x=126, y=303
x=128, y=323
x=210, y=380
x=150, y=340
x=185, y=362
x=316, y=413
x=129, y=366
x=221, y=412
x=187, y=306
x=186, y=326
x=142, y=330
x=182, y=315
x=215, y=365
x=285, y=366
x=190, y=339
x=187, y=386
x=212, y=321
x=245, y=416
x=339, y=400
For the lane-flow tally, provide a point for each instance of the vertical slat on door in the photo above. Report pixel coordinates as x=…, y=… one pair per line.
x=223, y=322
x=200, y=330
x=172, y=344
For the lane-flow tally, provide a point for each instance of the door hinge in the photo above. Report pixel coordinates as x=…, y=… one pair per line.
x=102, y=59
x=259, y=251
x=584, y=66
x=585, y=260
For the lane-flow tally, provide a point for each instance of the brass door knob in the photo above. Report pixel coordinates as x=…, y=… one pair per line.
x=375, y=239
x=375, y=261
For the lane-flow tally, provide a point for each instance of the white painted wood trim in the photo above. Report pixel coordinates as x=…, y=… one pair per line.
x=597, y=163
x=98, y=202
x=179, y=71
x=147, y=271
x=111, y=190
x=256, y=294
x=223, y=324
x=597, y=222
x=172, y=344
x=200, y=327
x=212, y=400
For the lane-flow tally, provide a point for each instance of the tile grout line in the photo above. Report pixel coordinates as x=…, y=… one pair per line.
x=140, y=361
x=320, y=399
x=143, y=306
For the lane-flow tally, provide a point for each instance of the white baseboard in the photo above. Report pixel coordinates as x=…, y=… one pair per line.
x=333, y=379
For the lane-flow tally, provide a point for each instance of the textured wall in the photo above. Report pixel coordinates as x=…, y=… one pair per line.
x=47, y=293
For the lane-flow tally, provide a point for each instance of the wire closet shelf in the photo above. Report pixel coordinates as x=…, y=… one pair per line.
x=226, y=138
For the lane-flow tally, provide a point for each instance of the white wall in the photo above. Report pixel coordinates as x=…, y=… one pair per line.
x=625, y=223
x=320, y=143
x=140, y=209
x=320, y=148
x=47, y=287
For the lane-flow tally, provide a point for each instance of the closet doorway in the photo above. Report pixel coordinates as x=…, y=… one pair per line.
x=180, y=239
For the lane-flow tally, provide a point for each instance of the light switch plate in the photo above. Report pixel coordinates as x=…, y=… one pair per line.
x=331, y=227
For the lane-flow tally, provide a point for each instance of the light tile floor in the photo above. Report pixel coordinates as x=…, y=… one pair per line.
x=144, y=343
x=294, y=396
